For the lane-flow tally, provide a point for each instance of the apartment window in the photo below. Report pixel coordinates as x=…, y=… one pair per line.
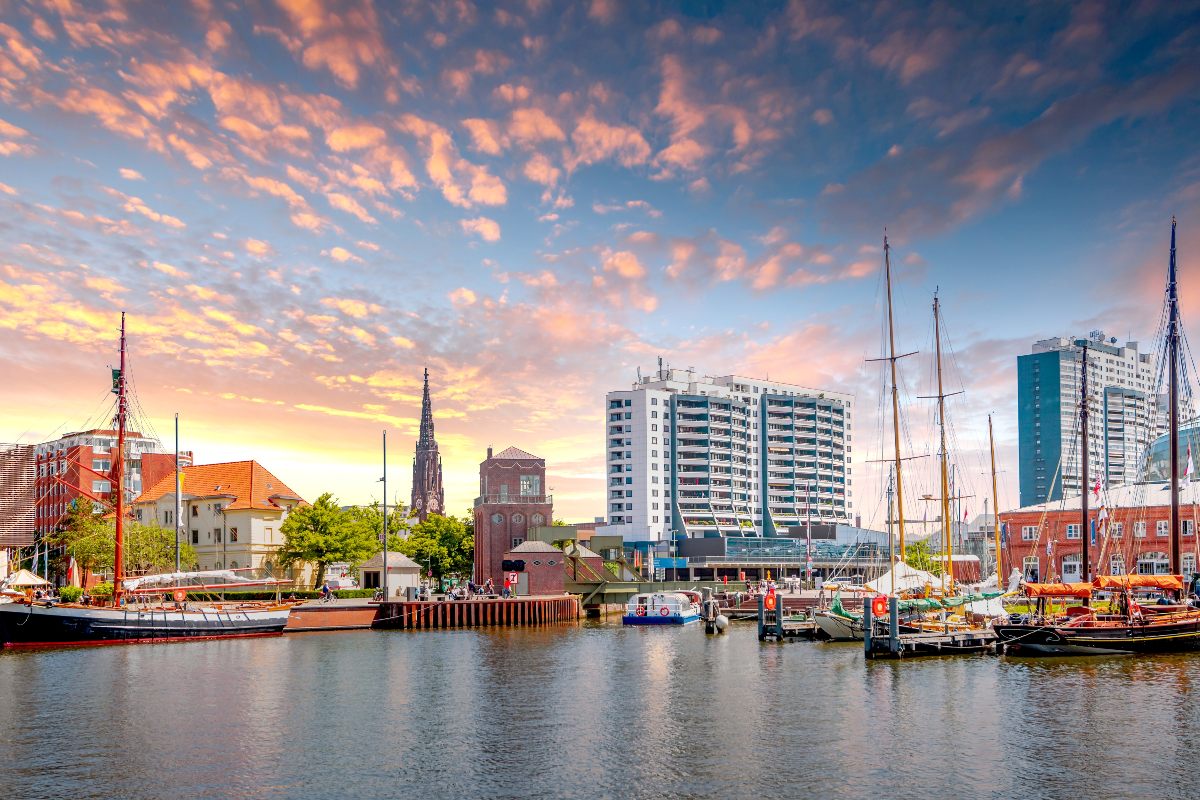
x=628, y=415
x=101, y=487
x=195, y=536
x=653, y=401
x=1028, y=533
x=216, y=534
x=654, y=506
x=101, y=464
x=629, y=481
x=531, y=485
x=517, y=541
x=653, y=440
x=1117, y=531
x=628, y=403
x=1117, y=564
x=233, y=534
x=1160, y=528
x=654, y=427
x=1073, y=531
x=269, y=533
x=655, y=519
x=195, y=511
x=654, y=479
x=1139, y=529
x=1189, y=529
x=654, y=466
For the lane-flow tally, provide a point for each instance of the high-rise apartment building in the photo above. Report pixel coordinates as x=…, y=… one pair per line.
x=724, y=456
x=1125, y=413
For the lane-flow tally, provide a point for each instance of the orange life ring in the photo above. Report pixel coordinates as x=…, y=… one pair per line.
x=180, y=595
x=641, y=611
x=769, y=602
x=664, y=611
x=879, y=606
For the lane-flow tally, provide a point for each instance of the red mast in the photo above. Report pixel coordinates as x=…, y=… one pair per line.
x=119, y=474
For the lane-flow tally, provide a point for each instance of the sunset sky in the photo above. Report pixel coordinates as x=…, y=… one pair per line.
x=302, y=203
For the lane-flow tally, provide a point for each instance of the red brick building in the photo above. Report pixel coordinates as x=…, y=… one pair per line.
x=84, y=461
x=512, y=499
x=1132, y=538
x=543, y=571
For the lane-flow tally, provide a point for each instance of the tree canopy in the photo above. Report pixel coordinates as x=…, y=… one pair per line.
x=91, y=539
x=920, y=556
x=445, y=545
x=324, y=533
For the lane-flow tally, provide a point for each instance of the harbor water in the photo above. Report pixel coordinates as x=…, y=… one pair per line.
x=594, y=710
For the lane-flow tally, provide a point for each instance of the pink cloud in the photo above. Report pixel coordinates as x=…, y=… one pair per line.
x=486, y=229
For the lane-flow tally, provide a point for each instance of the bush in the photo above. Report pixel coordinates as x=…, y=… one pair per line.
x=70, y=594
x=102, y=590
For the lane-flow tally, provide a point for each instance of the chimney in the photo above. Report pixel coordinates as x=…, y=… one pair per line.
x=489, y=451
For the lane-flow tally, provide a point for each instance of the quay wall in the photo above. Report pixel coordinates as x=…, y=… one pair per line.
x=514, y=612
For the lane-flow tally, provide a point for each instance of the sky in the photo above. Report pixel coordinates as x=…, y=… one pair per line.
x=303, y=203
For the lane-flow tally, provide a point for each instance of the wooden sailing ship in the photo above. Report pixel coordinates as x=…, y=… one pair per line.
x=152, y=608
x=1129, y=624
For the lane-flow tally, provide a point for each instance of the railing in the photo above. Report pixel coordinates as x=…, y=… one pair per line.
x=515, y=499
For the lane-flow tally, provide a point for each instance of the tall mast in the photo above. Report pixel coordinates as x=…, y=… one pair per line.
x=947, y=544
x=1173, y=390
x=384, y=582
x=119, y=475
x=995, y=507
x=890, y=513
x=1085, y=536
x=178, y=495
x=887, y=268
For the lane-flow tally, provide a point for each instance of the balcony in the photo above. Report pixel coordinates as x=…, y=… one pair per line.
x=514, y=499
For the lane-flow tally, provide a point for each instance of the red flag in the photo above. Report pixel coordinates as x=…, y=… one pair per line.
x=1096, y=489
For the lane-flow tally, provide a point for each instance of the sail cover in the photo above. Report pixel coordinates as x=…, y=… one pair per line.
x=1169, y=582
x=908, y=579
x=224, y=578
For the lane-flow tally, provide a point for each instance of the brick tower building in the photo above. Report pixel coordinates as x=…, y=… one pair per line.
x=511, y=500
x=428, y=496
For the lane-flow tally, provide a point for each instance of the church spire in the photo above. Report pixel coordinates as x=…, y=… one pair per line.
x=426, y=439
x=428, y=496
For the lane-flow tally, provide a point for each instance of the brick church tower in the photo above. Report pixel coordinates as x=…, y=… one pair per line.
x=512, y=499
x=428, y=496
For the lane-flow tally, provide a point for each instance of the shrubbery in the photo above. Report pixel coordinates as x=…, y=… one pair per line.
x=70, y=594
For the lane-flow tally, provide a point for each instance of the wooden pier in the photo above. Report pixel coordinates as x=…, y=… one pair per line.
x=882, y=638
x=778, y=625
x=515, y=612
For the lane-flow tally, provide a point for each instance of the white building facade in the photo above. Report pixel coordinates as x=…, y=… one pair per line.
x=690, y=456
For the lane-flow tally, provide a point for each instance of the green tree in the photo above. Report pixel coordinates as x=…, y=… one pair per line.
x=323, y=533
x=91, y=540
x=920, y=556
x=399, y=523
x=445, y=545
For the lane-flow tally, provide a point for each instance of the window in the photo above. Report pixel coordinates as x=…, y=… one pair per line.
x=216, y=534
x=195, y=511
x=497, y=519
x=654, y=427
x=1117, y=531
x=1153, y=564
x=518, y=519
x=269, y=533
x=1139, y=529
x=101, y=487
x=516, y=542
x=1189, y=528
x=653, y=440
x=538, y=520
x=531, y=485
x=1117, y=564
x=101, y=464
x=1189, y=564
x=1028, y=533
x=1073, y=531
x=233, y=534
x=1160, y=528
x=1030, y=568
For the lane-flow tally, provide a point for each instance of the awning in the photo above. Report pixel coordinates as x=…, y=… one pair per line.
x=1058, y=589
x=25, y=578
x=1169, y=582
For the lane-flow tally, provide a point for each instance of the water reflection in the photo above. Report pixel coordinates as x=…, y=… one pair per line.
x=587, y=711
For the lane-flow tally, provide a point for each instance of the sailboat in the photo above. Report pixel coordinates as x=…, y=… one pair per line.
x=141, y=611
x=1130, y=627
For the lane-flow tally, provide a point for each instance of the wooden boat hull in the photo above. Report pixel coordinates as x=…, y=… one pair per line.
x=838, y=628
x=23, y=625
x=1150, y=637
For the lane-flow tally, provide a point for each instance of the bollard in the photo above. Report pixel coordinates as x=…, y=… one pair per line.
x=868, y=628
x=894, y=624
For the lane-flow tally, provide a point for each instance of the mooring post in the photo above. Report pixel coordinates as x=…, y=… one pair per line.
x=762, y=618
x=894, y=624
x=868, y=628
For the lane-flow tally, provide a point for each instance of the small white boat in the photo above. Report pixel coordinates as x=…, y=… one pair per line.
x=837, y=627
x=661, y=608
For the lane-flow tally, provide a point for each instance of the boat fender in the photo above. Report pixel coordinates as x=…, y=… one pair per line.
x=664, y=611
x=879, y=606
x=641, y=611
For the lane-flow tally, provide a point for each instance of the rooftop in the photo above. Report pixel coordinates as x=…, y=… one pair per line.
x=395, y=561
x=534, y=546
x=247, y=483
x=516, y=454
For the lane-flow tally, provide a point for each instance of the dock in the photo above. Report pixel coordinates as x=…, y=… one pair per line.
x=882, y=637
x=781, y=625
x=514, y=612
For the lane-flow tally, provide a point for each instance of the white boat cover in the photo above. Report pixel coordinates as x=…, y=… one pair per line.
x=908, y=579
x=186, y=580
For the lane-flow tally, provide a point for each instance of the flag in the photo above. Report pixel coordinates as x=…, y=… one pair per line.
x=1190, y=468
x=1096, y=489
x=1049, y=547
x=72, y=569
x=1093, y=531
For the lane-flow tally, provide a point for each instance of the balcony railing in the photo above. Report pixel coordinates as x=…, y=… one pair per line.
x=515, y=499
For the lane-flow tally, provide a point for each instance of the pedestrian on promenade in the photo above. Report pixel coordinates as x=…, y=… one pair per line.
x=507, y=592
x=489, y=587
